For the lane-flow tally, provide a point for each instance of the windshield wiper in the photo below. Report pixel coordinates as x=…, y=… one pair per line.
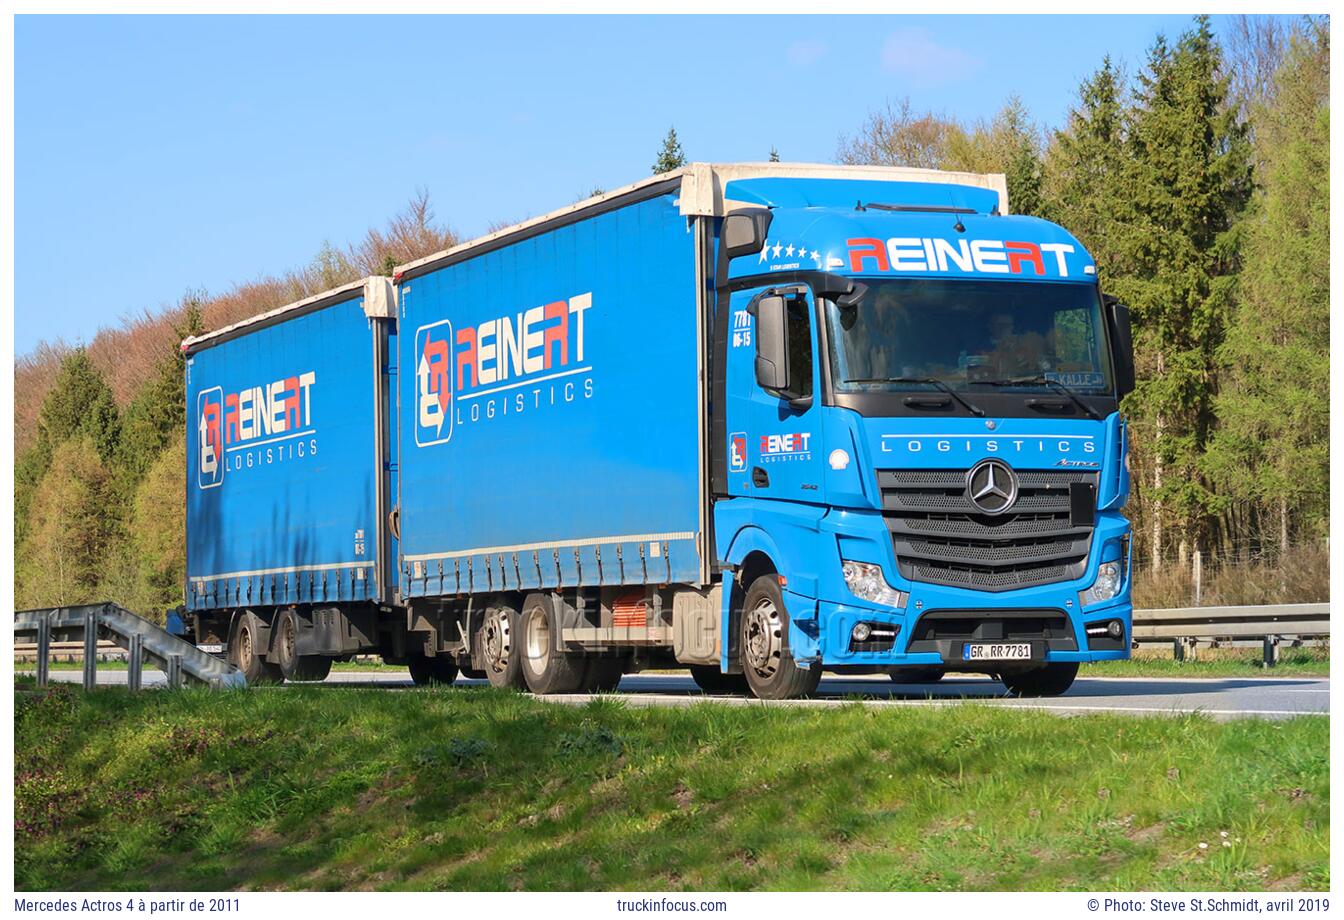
x=931, y=381
x=1042, y=380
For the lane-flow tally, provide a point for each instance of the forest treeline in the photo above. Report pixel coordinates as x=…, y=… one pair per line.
x=1199, y=182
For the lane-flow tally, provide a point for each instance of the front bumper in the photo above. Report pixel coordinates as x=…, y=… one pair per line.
x=1050, y=616
x=1066, y=639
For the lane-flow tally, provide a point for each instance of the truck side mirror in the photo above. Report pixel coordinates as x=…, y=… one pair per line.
x=744, y=232
x=772, y=343
x=1122, y=344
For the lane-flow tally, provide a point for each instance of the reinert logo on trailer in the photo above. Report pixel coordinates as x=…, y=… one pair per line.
x=255, y=426
x=500, y=367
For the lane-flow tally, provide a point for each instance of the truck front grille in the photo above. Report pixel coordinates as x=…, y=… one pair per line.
x=941, y=538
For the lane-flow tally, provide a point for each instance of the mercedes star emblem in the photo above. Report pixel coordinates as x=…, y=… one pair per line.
x=991, y=485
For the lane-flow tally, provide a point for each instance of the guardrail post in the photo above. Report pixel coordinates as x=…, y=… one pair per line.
x=1271, y=651
x=174, y=672
x=90, y=649
x=1199, y=576
x=1178, y=648
x=43, y=649
x=134, y=661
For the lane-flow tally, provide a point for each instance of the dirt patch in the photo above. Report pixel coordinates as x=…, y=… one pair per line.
x=1146, y=834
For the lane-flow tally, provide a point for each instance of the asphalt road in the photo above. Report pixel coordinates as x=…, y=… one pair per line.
x=1220, y=698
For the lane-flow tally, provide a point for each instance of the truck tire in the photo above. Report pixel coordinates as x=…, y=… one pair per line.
x=285, y=635
x=916, y=675
x=1046, y=680
x=767, y=662
x=245, y=647
x=500, y=642
x=547, y=666
x=437, y=670
x=603, y=674
x=710, y=679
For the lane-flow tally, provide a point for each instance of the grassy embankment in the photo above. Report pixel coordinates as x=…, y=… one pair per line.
x=478, y=789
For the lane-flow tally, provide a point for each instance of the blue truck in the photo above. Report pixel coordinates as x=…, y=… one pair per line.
x=757, y=420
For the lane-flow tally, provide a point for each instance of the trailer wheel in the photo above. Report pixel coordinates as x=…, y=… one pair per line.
x=1046, y=680
x=501, y=647
x=437, y=670
x=293, y=665
x=547, y=666
x=916, y=675
x=710, y=679
x=245, y=647
x=767, y=662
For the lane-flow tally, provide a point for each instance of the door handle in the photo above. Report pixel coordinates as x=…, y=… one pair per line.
x=760, y=478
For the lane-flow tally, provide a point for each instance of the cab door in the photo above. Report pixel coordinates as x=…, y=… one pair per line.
x=774, y=435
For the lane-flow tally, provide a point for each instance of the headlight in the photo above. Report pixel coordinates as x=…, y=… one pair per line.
x=1105, y=587
x=867, y=582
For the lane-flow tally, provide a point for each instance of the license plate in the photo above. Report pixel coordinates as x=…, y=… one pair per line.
x=212, y=649
x=996, y=651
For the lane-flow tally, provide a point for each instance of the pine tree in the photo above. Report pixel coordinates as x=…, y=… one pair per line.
x=1191, y=180
x=1272, y=450
x=78, y=405
x=670, y=156
x=1087, y=171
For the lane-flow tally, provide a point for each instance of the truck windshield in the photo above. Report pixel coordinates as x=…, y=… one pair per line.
x=968, y=335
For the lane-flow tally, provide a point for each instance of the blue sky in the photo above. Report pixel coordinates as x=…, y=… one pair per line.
x=154, y=155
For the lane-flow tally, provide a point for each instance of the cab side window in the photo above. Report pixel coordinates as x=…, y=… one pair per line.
x=800, y=347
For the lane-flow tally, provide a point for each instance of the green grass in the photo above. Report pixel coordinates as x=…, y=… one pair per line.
x=347, y=788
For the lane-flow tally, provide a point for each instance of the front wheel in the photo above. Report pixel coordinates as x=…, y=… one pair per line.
x=767, y=661
x=1046, y=680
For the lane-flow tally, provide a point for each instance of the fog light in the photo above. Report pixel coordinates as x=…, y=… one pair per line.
x=861, y=632
x=1107, y=629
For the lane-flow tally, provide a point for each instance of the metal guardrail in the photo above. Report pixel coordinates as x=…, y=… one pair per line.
x=180, y=660
x=1268, y=626
x=108, y=650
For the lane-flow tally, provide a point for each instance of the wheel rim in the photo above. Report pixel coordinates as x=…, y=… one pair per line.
x=244, y=645
x=498, y=641
x=538, y=638
x=287, y=639
x=764, y=638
